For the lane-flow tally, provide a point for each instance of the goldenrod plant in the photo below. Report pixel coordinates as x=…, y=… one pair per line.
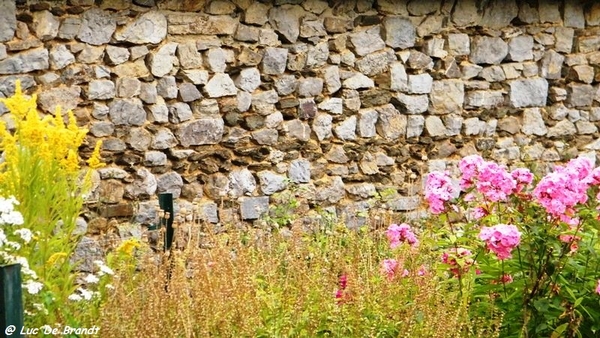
x=41, y=169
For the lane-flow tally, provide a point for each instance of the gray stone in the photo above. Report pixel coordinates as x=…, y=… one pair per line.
x=358, y=81
x=587, y=44
x=66, y=97
x=311, y=86
x=415, y=126
x=399, y=32
x=102, y=128
x=91, y=54
x=256, y=14
x=585, y=127
x=116, y=55
x=274, y=120
x=298, y=129
x=528, y=92
x=87, y=251
x=248, y=79
x=317, y=55
x=241, y=183
x=167, y=87
x=188, y=92
x=208, y=211
x=25, y=62
x=488, y=50
x=453, y=123
x=334, y=105
x=533, y=123
x=286, y=84
x=274, y=60
x=398, y=77
x=412, y=104
x=391, y=124
x=376, y=63
x=170, y=182
x=346, y=130
x=201, y=131
x=459, y=44
x=322, y=125
x=435, y=127
x=97, y=27
x=127, y=112
x=161, y=62
x=550, y=11
x=220, y=85
x=253, y=207
x=150, y=27
x=155, y=158
x=179, y=112
x=466, y=13
x=447, y=96
x=551, y=65
x=266, y=136
x=286, y=20
x=271, y=182
x=564, y=39
x=562, y=128
x=312, y=28
x=493, y=74
x=8, y=20
x=299, y=171
x=337, y=154
x=99, y=111
x=139, y=139
x=407, y=203
x=574, y=14
x=367, y=122
x=69, y=28
x=331, y=74
x=45, y=25
x=367, y=41
x=60, y=57
x=148, y=92
x=197, y=77
x=128, y=87
x=101, y=90
x=484, y=99
x=474, y=126
x=163, y=139
x=499, y=13
x=189, y=57
x=216, y=59
x=420, y=84
x=331, y=191
x=520, y=48
x=580, y=95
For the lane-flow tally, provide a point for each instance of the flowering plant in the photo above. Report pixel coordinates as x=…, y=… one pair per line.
x=534, y=242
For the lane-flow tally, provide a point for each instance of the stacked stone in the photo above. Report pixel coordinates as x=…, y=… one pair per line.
x=233, y=101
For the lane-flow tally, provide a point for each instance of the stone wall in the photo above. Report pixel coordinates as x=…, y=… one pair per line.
x=225, y=103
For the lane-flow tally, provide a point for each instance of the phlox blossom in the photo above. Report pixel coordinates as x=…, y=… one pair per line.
x=469, y=167
x=494, y=182
x=397, y=234
x=439, y=189
x=501, y=239
x=390, y=267
x=523, y=177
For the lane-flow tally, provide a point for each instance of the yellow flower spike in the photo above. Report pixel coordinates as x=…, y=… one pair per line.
x=95, y=162
x=128, y=246
x=55, y=257
x=18, y=104
x=71, y=162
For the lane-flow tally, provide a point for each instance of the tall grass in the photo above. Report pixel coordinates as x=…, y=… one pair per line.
x=257, y=284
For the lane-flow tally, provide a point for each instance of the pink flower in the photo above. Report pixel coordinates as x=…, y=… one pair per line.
x=459, y=260
x=494, y=182
x=389, y=267
x=523, y=177
x=598, y=287
x=343, y=281
x=422, y=271
x=439, y=190
x=478, y=213
x=397, y=234
x=574, y=240
x=501, y=239
x=469, y=167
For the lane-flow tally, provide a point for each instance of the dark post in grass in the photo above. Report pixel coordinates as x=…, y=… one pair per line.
x=165, y=201
x=11, y=301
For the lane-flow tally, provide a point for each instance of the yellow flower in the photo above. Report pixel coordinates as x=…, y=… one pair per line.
x=94, y=162
x=55, y=257
x=128, y=246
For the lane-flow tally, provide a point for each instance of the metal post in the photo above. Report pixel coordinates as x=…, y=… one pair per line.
x=166, y=204
x=11, y=301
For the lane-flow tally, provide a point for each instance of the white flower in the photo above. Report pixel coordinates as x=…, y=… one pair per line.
x=104, y=270
x=33, y=287
x=109, y=286
x=7, y=205
x=25, y=234
x=91, y=279
x=14, y=245
x=2, y=238
x=87, y=295
x=13, y=217
x=75, y=297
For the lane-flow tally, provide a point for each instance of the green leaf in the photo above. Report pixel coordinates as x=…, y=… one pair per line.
x=559, y=330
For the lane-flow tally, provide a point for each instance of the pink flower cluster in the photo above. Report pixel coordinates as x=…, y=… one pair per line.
x=439, y=190
x=491, y=179
x=398, y=234
x=501, y=239
x=389, y=268
x=341, y=294
x=560, y=191
x=459, y=260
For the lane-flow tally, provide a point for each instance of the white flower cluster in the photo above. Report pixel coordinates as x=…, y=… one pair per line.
x=8, y=214
x=87, y=294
